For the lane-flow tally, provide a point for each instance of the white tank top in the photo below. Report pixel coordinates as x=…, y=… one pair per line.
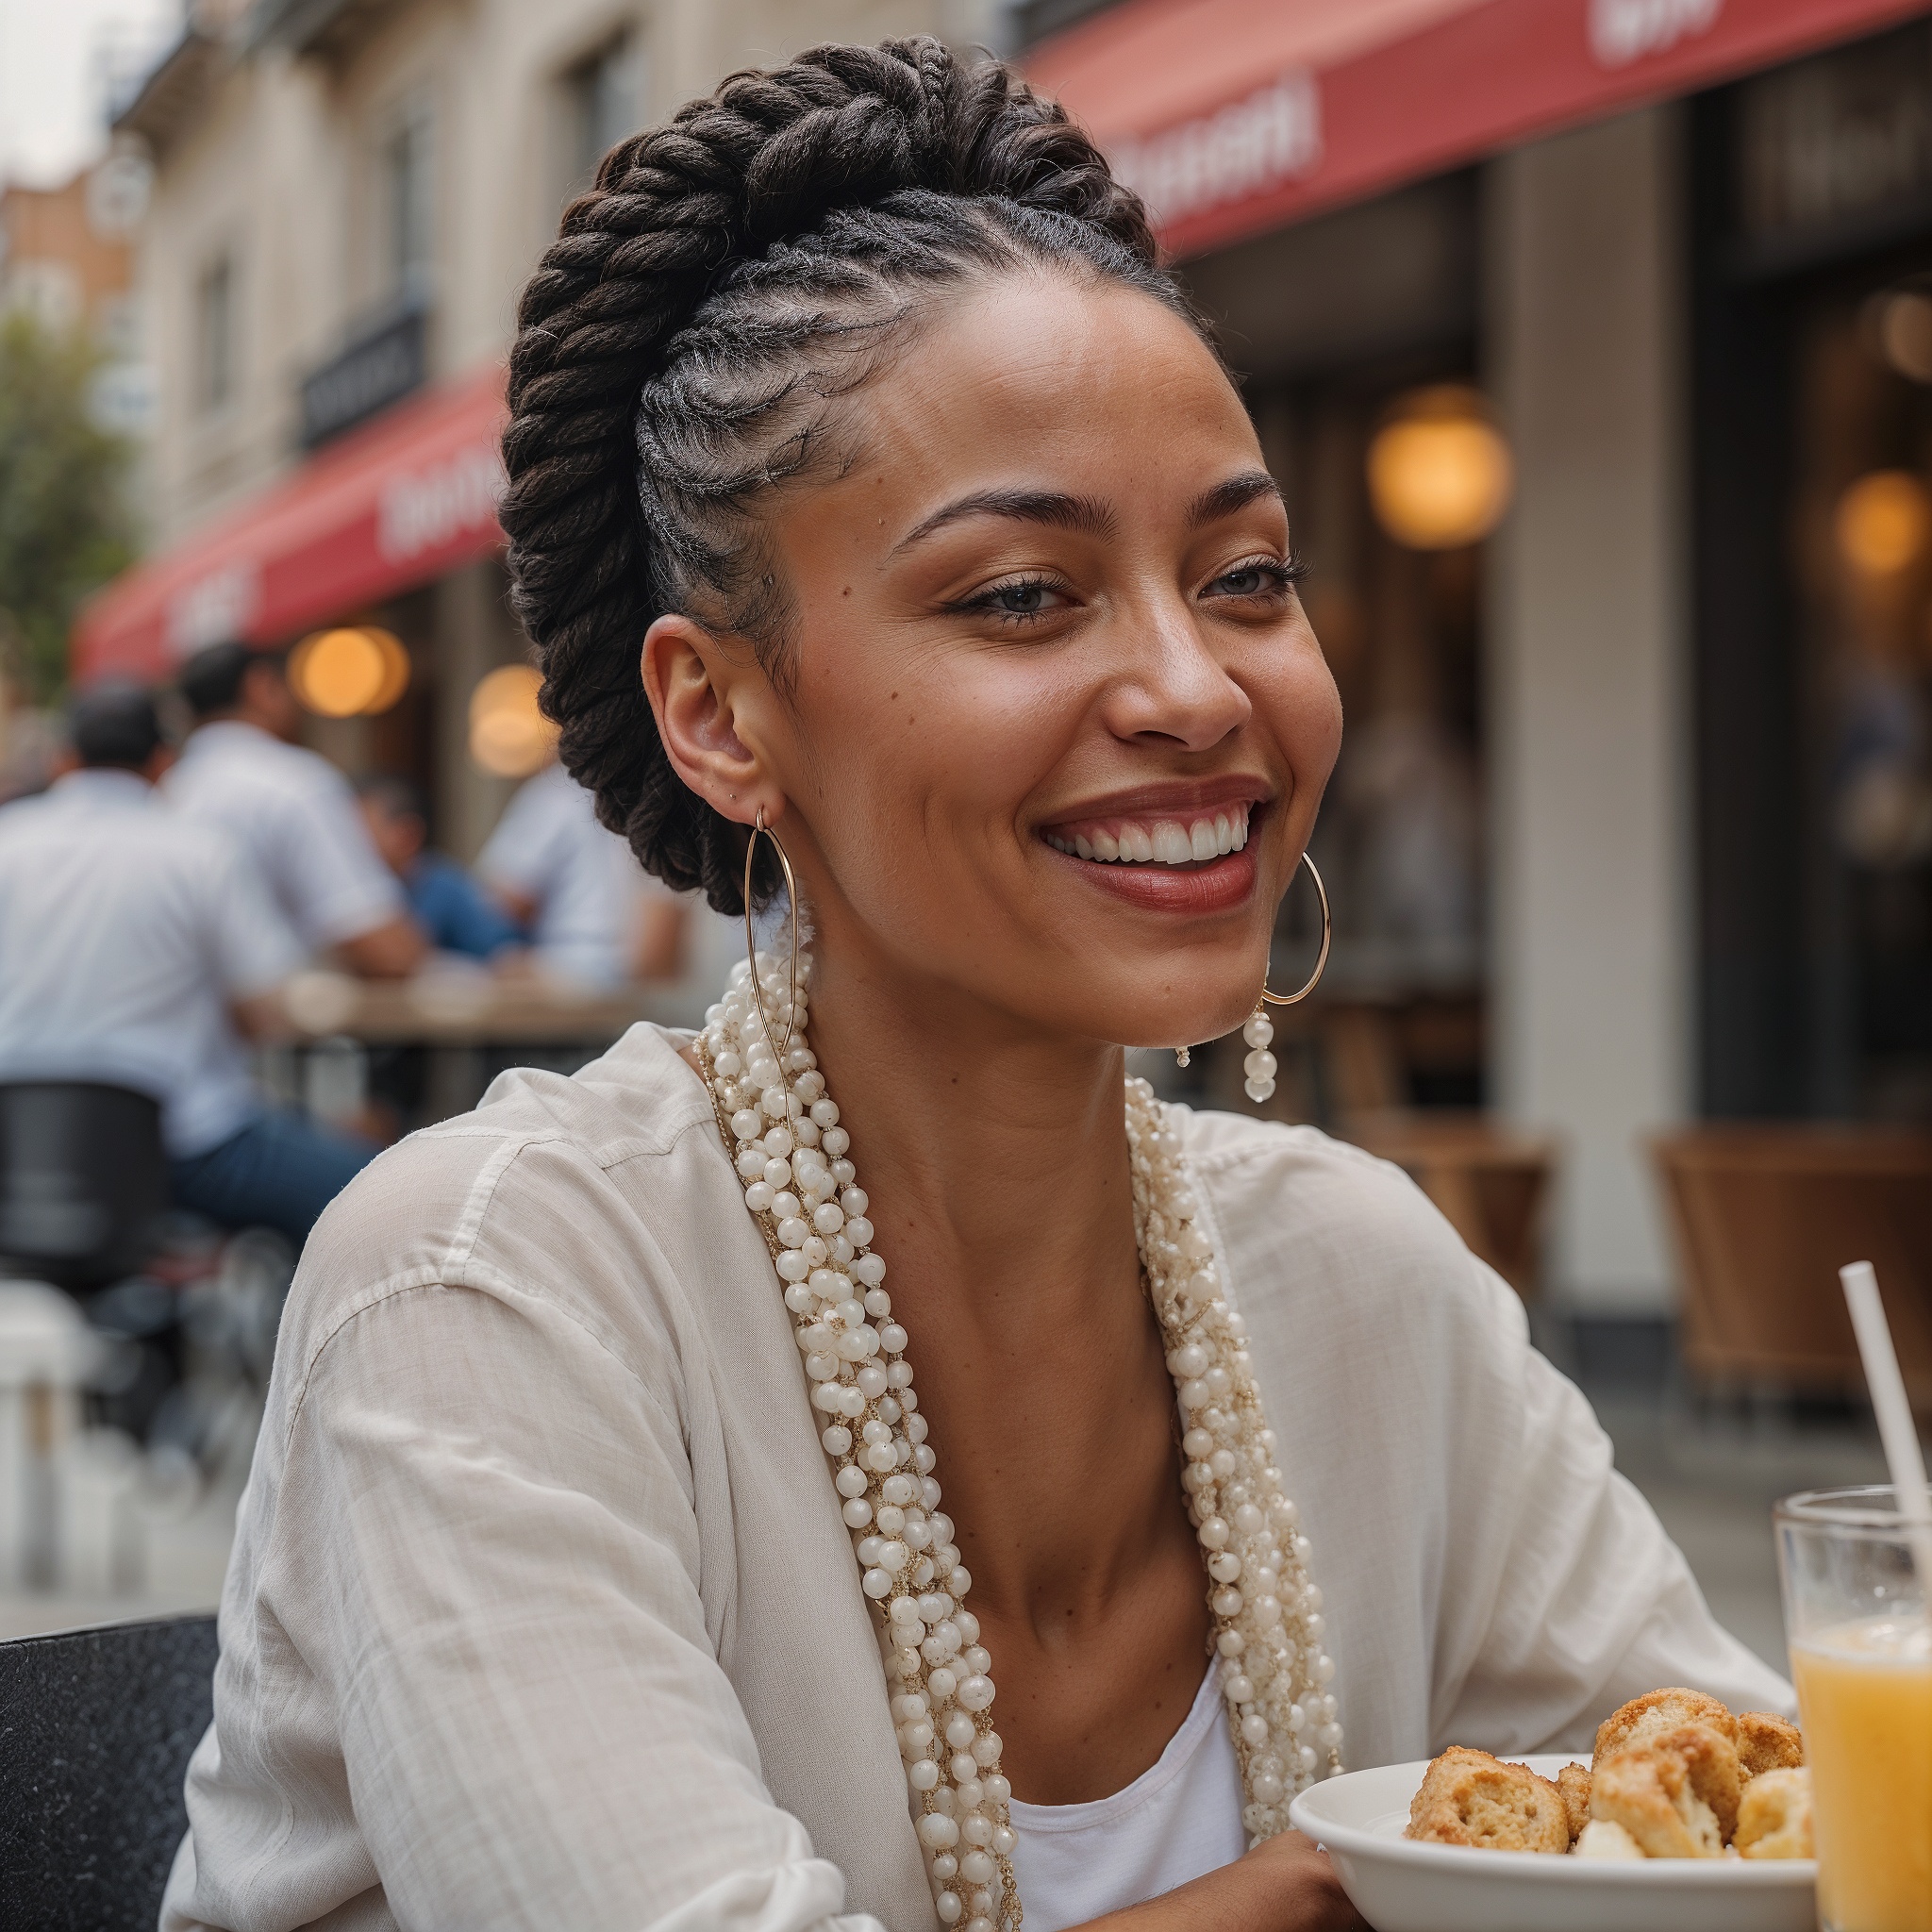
x=1181, y=1817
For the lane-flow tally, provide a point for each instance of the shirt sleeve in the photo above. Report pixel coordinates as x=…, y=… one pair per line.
x=339, y=887
x=523, y=853
x=500, y=1608
x=1583, y=1602
x=253, y=947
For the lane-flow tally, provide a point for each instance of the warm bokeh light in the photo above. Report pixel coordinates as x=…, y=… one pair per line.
x=1440, y=473
x=508, y=735
x=1882, y=524
x=1905, y=332
x=354, y=672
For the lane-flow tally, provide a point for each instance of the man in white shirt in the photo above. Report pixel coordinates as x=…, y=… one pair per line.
x=595, y=919
x=135, y=948
x=290, y=811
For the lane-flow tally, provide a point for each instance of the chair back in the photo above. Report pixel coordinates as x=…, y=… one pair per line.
x=83, y=1178
x=1764, y=1216
x=99, y=1725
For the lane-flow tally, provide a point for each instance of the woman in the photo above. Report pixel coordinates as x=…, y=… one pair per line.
x=871, y=483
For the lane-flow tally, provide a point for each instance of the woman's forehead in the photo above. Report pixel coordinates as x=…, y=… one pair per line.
x=1044, y=383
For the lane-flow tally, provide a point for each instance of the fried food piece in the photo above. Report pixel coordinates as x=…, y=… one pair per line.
x=1574, y=1782
x=1768, y=1743
x=1600, y=1839
x=1469, y=1798
x=1657, y=1711
x=1775, y=1818
x=1676, y=1794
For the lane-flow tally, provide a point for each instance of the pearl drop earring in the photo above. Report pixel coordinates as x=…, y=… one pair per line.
x=1182, y=1054
x=1259, y=1066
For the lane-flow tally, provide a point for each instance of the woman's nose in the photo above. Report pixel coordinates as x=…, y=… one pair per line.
x=1172, y=686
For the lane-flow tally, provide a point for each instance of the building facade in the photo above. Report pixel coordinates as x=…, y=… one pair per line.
x=1637, y=781
x=347, y=196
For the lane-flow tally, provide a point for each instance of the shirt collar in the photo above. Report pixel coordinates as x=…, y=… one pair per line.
x=104, y=784
x=220, y=731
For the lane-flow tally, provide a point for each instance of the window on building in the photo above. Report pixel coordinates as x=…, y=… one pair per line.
x=408, y=192
x=604, y=100
x=215, y=333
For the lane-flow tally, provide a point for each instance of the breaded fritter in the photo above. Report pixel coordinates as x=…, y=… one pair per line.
x=1469, y=1798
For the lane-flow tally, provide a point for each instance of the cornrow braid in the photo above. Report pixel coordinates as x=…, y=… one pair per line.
x=683, y=344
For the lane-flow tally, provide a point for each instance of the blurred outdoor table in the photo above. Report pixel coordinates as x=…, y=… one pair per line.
x=457, y=1010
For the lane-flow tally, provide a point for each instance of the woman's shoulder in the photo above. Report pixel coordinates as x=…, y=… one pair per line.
x=565, y=1187
x=1313, y=1220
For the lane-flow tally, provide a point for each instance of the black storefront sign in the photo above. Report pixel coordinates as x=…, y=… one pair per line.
x=381, y=366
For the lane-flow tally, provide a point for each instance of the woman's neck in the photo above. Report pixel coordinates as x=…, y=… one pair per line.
x=993, y=1153
x=995, y=1160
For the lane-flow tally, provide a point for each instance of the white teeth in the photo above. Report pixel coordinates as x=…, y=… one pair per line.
x=1165, y=843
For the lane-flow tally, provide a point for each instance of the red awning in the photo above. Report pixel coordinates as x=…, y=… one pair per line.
x=1232, y=117
x=392, y=505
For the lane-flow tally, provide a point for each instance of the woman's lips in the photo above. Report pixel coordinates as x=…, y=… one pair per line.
x=1216, y=884
x=1190, y=861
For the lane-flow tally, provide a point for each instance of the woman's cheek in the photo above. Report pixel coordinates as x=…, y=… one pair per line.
x=1304, y=711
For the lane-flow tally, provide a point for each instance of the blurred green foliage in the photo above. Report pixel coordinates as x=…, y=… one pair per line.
x=64, y=521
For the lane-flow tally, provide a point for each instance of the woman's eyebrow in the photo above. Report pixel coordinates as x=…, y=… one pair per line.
x=1087, y=514
x=1225, y=499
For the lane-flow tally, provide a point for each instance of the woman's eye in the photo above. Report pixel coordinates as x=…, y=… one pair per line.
x=1027, y=598
x=1256, y=580
x=1020, y=600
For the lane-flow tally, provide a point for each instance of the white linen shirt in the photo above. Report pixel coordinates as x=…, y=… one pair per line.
x=124, y=932
x=296, y=817
x=542, y=1612
x=549, y=847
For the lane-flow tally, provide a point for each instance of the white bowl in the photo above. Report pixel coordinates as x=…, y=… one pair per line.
x=1400, y=1886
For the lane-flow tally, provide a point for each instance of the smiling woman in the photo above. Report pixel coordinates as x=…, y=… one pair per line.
x=897, y=547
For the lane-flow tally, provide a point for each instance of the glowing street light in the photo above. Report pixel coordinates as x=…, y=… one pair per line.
x=1440, y=473
x=508, y=735
x=1882, y=524
x=352, y=671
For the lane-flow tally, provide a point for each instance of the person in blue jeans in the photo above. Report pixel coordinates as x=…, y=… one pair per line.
x=142, y=949
x=456, y=913
x=280, y=1171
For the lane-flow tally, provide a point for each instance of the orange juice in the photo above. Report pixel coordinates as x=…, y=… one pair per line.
x=1865, y=1699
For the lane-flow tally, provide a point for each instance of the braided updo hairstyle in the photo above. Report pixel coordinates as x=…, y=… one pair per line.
x=685, y=343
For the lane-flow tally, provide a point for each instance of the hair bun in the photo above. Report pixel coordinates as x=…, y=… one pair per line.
x=751, y=182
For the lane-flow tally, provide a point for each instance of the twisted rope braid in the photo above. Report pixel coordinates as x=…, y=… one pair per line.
x=728, y=279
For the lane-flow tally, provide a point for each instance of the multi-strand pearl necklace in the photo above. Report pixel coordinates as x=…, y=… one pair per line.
x=791, y=1156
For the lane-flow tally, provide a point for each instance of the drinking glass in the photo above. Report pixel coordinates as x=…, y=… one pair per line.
x=1857, y=1613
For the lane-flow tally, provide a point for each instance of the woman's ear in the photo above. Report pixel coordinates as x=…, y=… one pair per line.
x=692, y=682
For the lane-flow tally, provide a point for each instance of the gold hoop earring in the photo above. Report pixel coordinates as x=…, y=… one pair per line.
x=760, y=829
x=1260, y=1068
x=1259, y=1030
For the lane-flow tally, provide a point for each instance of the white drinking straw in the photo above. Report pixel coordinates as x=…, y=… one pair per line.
x=1896, y=1430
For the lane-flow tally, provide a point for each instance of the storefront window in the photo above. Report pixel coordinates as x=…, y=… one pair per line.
x=1813, y=392
x=1356, y=338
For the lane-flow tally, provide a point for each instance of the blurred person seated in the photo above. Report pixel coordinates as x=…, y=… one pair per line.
x=290, y=811
x=455, y=913
x=137, y=948
x=595, y=921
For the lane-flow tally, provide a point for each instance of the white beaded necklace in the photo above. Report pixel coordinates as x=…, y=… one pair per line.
x=792, y=1156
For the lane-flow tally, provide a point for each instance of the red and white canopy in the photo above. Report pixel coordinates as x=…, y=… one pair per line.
x=1232, y=117
x=390, y=507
